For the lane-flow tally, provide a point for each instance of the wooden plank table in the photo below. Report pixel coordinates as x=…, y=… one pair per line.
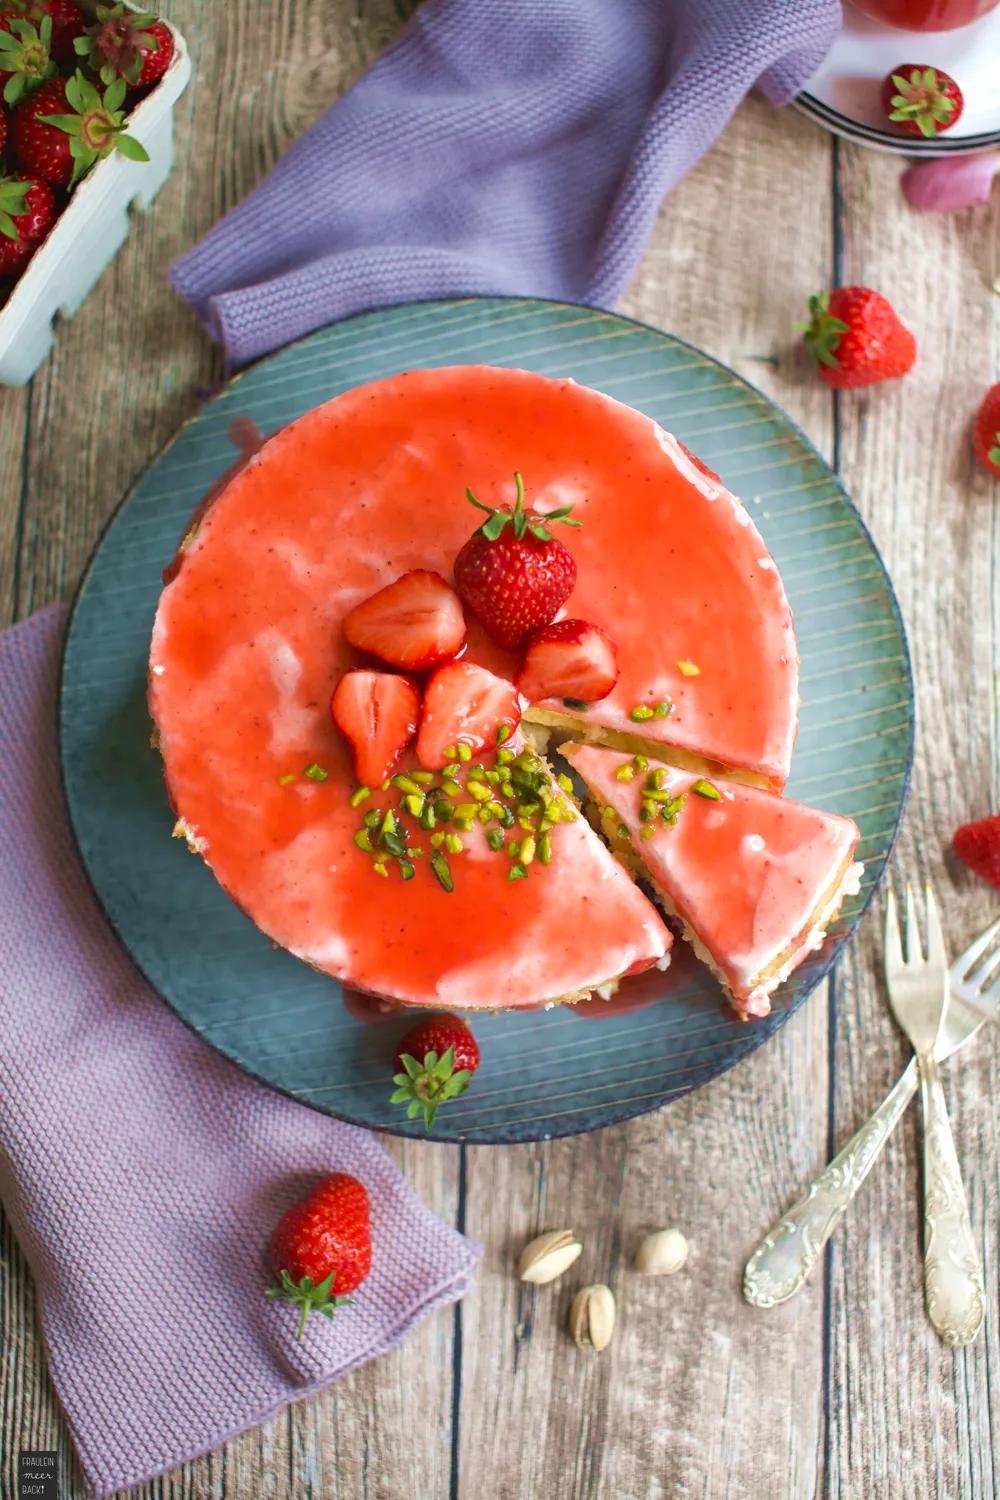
x=845, y=1391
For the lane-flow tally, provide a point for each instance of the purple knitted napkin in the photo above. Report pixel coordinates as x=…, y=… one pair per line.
x=521, y=146
x=143, y=1173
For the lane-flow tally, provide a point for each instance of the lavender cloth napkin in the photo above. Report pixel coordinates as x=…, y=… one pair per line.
x=142, y=1172
x=522, y=146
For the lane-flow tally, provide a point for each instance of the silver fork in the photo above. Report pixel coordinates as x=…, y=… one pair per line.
x=919, y=994
x=781, y=1263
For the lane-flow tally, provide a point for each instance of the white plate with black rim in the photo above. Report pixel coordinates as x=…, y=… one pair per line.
x=844, y=94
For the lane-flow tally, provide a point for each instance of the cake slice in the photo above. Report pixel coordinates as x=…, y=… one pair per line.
x=754, y=879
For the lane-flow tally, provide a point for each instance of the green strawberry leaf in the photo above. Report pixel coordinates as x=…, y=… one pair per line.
x=69, y=123
x=114, y=98
x=133, y=149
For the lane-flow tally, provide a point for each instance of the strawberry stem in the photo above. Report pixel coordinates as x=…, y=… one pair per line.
x=521, y=520
x=425, y=1086
x=303, y=1294
x=823, y=332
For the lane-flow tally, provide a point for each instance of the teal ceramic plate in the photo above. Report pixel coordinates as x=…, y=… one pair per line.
x=556, y=1072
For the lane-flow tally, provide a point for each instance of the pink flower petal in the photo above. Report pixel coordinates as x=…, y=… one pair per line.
x=948, y=183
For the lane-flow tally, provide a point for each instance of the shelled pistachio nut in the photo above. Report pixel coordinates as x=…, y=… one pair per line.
x=661, y=1253
x=548, y=1256
x=592, y=1317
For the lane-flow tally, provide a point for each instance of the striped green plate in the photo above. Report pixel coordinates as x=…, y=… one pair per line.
x=560, y=1071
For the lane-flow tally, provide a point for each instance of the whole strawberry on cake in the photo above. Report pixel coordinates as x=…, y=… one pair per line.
x=353, y=694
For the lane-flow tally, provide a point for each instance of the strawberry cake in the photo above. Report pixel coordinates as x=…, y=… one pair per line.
x=352, y=695
x=754, y=879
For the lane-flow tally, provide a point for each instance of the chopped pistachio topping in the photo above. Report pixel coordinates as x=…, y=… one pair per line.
x=404, y=783
x=517, y=872
x=640, y=762
x=516, y=793
x=706, y=789
x=504, y=733
x=640, y=713
x=663, y=710
x=289, y=776
x=465, y=752
x=625, y=773
x=670, y=811
x=315, y=772
x=688, y=669
x=647, y=832
x=361, y=795
x=451, y=753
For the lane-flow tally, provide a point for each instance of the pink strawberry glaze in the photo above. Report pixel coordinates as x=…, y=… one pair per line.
x=247, y=648
x=749, y=874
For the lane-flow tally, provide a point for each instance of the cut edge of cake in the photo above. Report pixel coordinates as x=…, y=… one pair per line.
x=751, y=1001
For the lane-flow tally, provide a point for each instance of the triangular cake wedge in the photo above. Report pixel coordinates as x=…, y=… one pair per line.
x=755, y=879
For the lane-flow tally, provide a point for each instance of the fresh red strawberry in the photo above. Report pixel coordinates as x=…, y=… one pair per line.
x=322, y=1247
x=127, y=44
x=435, y=1061
x=378, y=713
x=63, y=129
x=569, y=659
x=986, y=430
x=512, y=573
x=66, y=17
x=414, y=623
x=25, y=58
x=856, y=338
x=465, y=705
x=27, y=213
x=921, y=100
x=978, y=846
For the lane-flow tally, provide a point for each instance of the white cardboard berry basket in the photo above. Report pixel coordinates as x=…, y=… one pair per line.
x=93, y=227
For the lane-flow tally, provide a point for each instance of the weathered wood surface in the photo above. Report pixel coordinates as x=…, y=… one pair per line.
x=844, y=1392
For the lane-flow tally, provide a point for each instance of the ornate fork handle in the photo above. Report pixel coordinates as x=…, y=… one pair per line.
x=953, y=1275
x=778, y=1267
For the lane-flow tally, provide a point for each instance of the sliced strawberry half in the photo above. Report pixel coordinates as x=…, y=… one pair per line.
x=414, y=623
x=569, y=659
x=378, y=713
x=465, y=705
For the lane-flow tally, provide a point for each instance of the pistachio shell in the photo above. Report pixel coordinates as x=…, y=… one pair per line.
x=661, y=1253
x=548, y=1256
x=592, y=1317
